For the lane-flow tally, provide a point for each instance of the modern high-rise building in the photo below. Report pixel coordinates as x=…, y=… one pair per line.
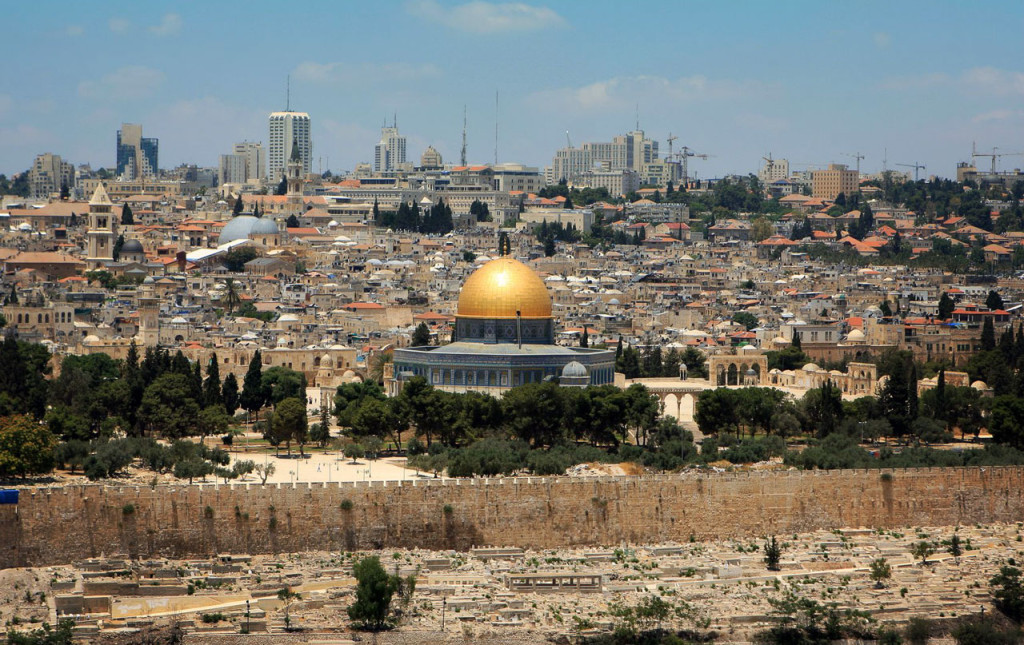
x=246, y=163
x=48, y=174
x=288, y=129
x=631, y=151
x=389, y=153
x=137, y=156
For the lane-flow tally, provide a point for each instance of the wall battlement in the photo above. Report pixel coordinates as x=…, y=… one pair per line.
x=53, y=525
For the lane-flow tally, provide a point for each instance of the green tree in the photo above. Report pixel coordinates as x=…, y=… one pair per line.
x=212, y=420
x=282, y=186
x=236, y=209
x=254, y=395
x=1008, y=592
x=881, y=571
x=994, y=301
x=281, y=383
x=988, y=335
x=229, y=393
x=235, y=259
x=290, y=423
x=212, y=386
x=45, y=635
x=127, y=217
x=374, y=418
x=772, y=554
x=746, y=319
x=421, y=336
x=230, y=299
x=955, y=548
x=374, y=592
x=168, y=406
x=946, y=306
x=26, y=447
x=923, y=550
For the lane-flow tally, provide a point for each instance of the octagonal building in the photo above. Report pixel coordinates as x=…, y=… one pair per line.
x=505, y=337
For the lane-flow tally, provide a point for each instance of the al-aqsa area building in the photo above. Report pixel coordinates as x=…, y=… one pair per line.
x=505, y=337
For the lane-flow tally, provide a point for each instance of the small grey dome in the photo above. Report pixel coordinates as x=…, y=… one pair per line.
x=132, y=246
x=575, y=369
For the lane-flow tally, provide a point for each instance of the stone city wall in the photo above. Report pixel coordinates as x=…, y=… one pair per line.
x=64, y=524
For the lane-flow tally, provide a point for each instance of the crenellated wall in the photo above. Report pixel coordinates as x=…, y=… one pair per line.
x=60, y=525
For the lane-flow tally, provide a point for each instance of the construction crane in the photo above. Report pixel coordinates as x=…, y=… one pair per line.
x=858, y=156
x=683, y=156
x=993, y=155
x=771, y=164
x=670, y=139
x=916, y=166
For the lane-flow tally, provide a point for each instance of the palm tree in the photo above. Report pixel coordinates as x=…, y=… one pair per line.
x=377, y=363
x=231, y=298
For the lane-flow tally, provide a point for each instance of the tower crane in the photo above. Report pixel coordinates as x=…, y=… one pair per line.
x=683, y=156
x=916, y=166
x=993, y=155
x=858, y=156
x=670, y=139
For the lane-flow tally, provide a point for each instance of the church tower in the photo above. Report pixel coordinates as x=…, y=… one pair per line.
x=102, y=230
x=295, y=176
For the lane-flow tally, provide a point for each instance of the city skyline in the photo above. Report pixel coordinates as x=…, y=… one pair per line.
x=810, y=82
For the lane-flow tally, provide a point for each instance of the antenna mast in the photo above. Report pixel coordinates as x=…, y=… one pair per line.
x=463, y=134
x=288, y=95
x=495, y=128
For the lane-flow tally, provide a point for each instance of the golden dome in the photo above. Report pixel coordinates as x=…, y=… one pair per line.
x=502, y=287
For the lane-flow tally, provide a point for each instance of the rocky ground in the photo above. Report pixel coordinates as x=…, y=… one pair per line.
x=720, y=586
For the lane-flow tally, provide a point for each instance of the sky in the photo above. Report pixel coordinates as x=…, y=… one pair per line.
x=910, y=82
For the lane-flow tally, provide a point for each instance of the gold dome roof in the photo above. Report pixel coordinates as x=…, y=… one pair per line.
x=500, y=288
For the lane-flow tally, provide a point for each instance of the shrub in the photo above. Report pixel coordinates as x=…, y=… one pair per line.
x=128, y=509
x=346, y=505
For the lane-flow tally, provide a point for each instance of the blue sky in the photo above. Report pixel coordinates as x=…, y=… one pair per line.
x=807, y=81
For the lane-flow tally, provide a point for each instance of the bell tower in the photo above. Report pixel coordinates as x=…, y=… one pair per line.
x=295, y=175
x=102, y=229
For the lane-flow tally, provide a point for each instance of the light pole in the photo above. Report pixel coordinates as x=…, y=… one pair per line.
x=444, y=605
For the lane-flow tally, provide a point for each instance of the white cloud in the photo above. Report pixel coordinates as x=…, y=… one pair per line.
x=119, y=25
x=74, y=30
x=364, y=73
x=169, y=25
x=998, y=115
x=133, y=82
x=623, y=92
x=882, y=39
x=984, y=80
x=487, y=17
x=995, y=81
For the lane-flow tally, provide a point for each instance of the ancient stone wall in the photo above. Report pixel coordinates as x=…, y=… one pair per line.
x=59, y=525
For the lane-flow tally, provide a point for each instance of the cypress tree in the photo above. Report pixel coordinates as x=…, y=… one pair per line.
x=253, y=395
x=988, y=335
x=229, y=393
x=585, y=338
x=212, y=386
x=236, y=210
x=127, y=217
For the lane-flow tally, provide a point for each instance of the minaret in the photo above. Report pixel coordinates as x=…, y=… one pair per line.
x=149, y=317
x=102, y=230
